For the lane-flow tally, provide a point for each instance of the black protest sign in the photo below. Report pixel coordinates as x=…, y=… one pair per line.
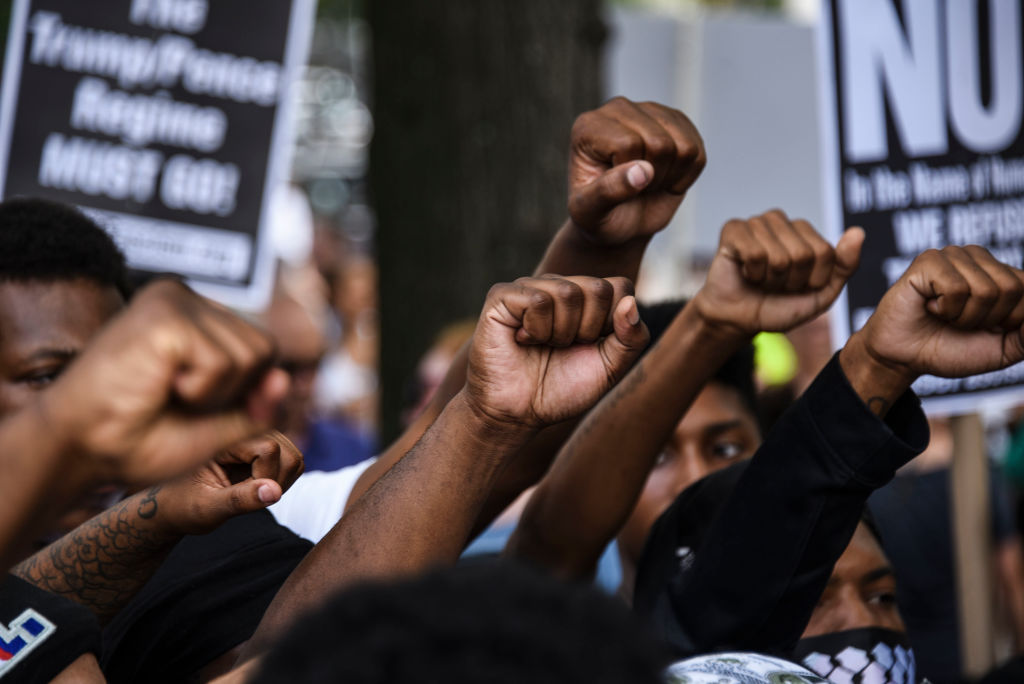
x=923, y=102
x=166, y=120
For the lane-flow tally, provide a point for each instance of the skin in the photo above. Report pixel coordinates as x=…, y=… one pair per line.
x=167, y=383
x=954, y=313
x=630, y=166
x=301, y=347
x=544, y=351
x=769, y=273
x=860, y=593
x=109, y=552
x=43, y=326
x=85, y=670
x=717, y=431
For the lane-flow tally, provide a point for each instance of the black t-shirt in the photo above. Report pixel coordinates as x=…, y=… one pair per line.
x=41, y=633
x=207, y=598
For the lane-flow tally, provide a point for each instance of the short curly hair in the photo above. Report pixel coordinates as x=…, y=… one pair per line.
x=42, y=240
x=482, y=621
x=738, y=370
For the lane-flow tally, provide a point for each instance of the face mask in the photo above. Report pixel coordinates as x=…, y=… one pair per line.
x=870, y=655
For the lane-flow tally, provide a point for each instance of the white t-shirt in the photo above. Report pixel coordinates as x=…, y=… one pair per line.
x=312, y=506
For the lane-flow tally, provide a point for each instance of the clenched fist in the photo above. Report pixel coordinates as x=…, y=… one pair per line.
x=629, y=166
x=955, y=312
x=772, y=274
x=166, y=384
x=546, y=349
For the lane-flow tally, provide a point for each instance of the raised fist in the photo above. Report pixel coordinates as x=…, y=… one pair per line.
x=772, y=274
x=168, y=383
x=629, y=166
x=246, y=477
x=955, y=312
x=546, y=349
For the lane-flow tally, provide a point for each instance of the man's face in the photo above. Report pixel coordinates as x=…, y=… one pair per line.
x=43, y=326
x=860, y=593
x=716, y=432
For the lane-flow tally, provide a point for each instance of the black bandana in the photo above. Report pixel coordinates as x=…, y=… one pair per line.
x=870, y=655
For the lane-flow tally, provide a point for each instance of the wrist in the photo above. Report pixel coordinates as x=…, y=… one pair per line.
x=716, y=328
x=585, y=238
x=486, y=426
x=877, y=381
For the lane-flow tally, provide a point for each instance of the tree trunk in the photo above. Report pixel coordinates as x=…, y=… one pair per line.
x=473, y=104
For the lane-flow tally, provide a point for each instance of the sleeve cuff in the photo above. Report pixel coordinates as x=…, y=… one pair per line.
x=869, y=448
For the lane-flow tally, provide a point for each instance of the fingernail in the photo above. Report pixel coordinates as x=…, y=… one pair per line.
x=633, y=314
x=267, y=494
x=636, y=176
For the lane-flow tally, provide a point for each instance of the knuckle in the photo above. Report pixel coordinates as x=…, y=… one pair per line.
x=498, y=290
x=779, y=264
x=617, y=102
x=985, y=292
x=600, y=290
x=928, y=257
x=540, y=301
x=691, y=153
x=630, y=143
x=661, y=146
x=756, y=255
x=803, y=258
x=621, y=284
x=568, y=291
x=823, y=252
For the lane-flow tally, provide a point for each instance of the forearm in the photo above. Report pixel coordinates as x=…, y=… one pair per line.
x=571, y=252
x=598, y=476
x=418, y=515
x=797, y=503
x=102, y=563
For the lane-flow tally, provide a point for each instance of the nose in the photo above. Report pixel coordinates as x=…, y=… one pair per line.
x=691, y=468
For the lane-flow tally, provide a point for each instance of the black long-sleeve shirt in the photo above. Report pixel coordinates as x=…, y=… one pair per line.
x=767, y=535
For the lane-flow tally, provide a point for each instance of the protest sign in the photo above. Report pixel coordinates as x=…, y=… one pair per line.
x=922, y=104
x=166, y=120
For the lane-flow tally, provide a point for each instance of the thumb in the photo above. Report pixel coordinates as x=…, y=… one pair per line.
x=848, y=252
x=629, y=337
x=245, y=497
x=847, y=259
x=621, y=183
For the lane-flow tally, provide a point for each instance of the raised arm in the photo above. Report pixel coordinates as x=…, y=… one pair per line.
x=954, y=313
x=630, y=165
x=103, y=562
x=538, y=357
x=768, y=274
x=163, y=387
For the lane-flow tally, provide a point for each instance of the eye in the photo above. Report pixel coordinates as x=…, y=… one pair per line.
x=38, y=378
x=727, y=450
x=883, y=598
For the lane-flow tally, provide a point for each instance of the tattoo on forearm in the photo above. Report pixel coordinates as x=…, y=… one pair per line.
x=878, y=405
x=104, y=561
x=148, y=505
